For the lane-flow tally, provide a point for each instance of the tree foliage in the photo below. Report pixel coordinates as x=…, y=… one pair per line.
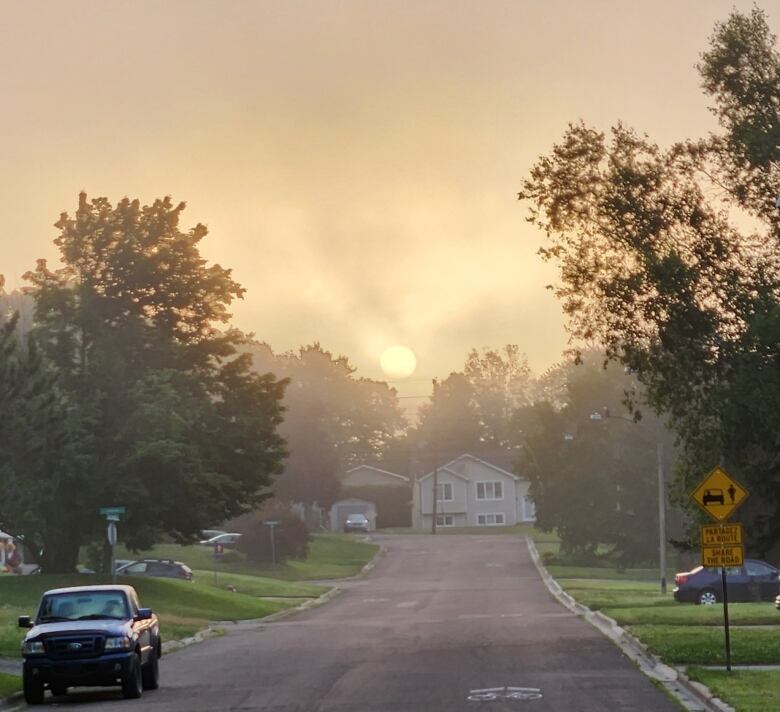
x=166, y=417
x=654, y=266
x=333, y=420
x=594, y=482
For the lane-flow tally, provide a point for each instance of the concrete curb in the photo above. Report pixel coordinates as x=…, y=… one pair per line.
x=692, y=695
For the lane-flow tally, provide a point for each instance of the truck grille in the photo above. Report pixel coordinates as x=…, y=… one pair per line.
x=82, y=646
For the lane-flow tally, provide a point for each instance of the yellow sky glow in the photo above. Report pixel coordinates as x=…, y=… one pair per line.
x=356, y=162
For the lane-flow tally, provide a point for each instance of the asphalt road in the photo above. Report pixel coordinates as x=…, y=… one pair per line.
x=437, y=620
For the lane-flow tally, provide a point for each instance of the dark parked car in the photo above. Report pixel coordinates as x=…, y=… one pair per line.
x=755, y=581
x=90, y=636
x=165, y=568
x=356, y=523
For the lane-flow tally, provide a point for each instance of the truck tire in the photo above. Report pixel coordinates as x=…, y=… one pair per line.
x=33, y=690
x=151, y=671
x=132, y=684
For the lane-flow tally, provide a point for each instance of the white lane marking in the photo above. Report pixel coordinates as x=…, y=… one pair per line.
x=375, y=600
x=512, y=615
x=406, y=604
x=492, y=565
x=475, y=615
x=505, y=693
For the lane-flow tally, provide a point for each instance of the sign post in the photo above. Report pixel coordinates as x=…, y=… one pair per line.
x=112, y=515
x=272, y=525
x=219, y=552
x=721, y=544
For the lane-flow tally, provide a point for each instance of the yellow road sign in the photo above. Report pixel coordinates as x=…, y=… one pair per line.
x=719, y=494
x=715, y=556
x=721, y=534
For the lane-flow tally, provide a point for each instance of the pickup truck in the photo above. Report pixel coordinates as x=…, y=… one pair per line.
x=90, y=636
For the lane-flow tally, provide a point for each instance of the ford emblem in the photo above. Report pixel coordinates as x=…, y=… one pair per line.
x=74, y=646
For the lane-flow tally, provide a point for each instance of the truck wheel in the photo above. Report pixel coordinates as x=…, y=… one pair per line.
x=151, y=671
x=132, y=684
x=58, y=690
x=33, y=690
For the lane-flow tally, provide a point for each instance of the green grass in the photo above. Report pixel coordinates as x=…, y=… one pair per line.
x=184, y=608
x=606, y=572
x=745, y=690
x=330, y=556
x=259, y=586
x=704, y=645
x=9, y=684
x=600, y=594
x=679, y=614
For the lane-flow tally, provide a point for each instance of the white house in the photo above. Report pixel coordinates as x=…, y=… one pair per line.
x=472, y=493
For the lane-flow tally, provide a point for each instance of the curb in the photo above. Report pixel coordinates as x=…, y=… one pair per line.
x=674, y=680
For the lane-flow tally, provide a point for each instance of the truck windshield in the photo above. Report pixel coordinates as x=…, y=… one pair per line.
x=83, y=605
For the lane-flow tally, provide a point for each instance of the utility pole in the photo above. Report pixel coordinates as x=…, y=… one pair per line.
x=661, y=517
x=435, y=462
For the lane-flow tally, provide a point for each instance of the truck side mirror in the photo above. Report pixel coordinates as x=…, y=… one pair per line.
x=144, y=614
x=25, y=622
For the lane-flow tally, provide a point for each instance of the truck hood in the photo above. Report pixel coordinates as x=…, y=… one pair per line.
x=106, y=627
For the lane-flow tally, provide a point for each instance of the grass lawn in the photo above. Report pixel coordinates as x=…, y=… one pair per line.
x=330, y=556
x=703, y=645
x=260, y=586
x=745, y=690
x=184, y=608
x=9, y=684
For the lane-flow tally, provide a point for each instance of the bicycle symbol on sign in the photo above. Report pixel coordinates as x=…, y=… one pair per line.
x=491, y=694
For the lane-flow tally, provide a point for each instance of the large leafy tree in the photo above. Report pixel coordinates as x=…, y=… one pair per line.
x=174, y=423
x=594, y=482
x=333, y=420
x=654, y=267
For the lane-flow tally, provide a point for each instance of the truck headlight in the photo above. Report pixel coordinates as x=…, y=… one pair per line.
x=32, y=647
x=123, y=643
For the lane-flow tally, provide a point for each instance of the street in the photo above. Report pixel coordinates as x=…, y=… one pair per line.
x=439, y=620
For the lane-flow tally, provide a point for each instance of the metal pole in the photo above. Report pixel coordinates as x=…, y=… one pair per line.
x=661, y=517
x=273, y=548
x=435, y=462
x=726, y=617
x=435, y=495
x=113, y=566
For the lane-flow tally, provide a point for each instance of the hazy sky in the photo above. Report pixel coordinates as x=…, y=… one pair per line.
x=357, y=163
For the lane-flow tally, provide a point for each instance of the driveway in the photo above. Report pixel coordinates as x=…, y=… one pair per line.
x=440, y=620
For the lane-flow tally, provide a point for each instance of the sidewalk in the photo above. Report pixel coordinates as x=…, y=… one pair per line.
x=11, y=666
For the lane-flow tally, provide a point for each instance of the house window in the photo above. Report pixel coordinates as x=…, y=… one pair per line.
x=444, y=492
x=445, y=520
x=490, y=490
x=490, y=520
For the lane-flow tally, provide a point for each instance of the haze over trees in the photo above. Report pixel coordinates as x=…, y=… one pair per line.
x=333, y=420
x=658, y=268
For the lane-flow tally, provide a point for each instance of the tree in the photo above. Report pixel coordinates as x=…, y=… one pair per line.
x=501, y=381
x=333, y=421
x=593, y=482
x=173, y=422
x=652, y=267
x=449, y=425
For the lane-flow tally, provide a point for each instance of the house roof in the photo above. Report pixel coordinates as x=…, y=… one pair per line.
x=380, y=471
x=444, y=468
x=449, y=468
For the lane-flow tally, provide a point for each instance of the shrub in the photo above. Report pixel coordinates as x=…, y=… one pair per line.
x=291, y=537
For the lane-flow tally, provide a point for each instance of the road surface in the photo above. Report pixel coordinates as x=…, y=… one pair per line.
x=439, y=620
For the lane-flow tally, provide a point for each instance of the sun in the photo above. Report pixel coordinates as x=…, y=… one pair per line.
x=398, y=362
